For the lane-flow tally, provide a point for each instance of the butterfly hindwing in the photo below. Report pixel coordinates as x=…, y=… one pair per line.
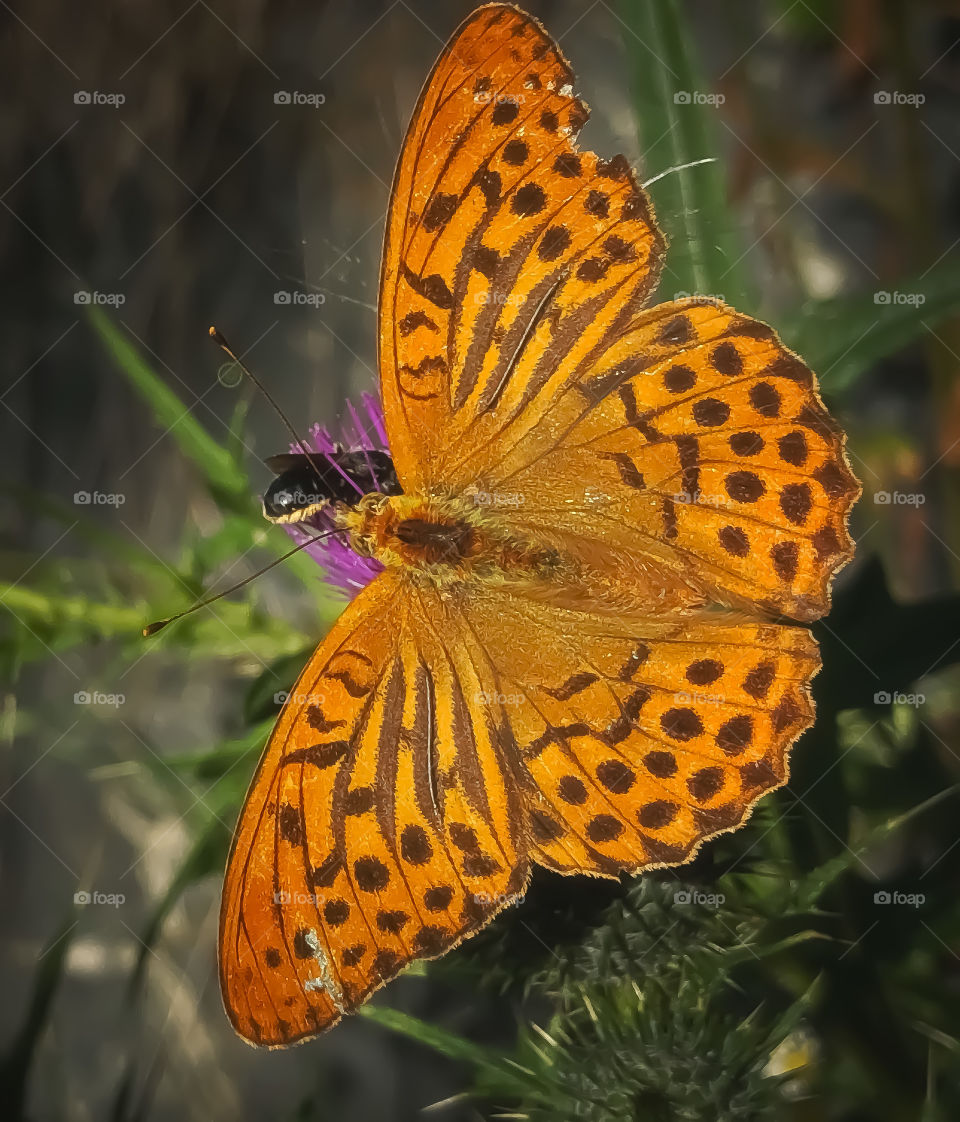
x=381, y=826
x=639, y=738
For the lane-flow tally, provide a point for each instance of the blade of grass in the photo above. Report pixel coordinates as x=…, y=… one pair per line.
x=815, y=883
x=220, y=465
x=233, y=631
x=16, y=1064
x=676, y=130
x=446, y=1043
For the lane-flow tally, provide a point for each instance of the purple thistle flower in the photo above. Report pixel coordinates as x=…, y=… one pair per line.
x=361, y=430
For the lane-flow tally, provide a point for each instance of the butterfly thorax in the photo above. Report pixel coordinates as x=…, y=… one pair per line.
x=445, y=538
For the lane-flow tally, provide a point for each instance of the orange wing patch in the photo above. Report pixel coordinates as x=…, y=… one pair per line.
x=504, y=243
x=638, y=739
x=698, y=443
x=381, y=827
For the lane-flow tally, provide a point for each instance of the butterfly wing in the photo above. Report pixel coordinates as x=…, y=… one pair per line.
x=681, y=447
x=639, y=738
x=381, y=825
x=696, y=443
x=506, y=247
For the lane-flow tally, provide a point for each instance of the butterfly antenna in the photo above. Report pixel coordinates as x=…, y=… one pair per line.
x=679, y=167
x=222, y=343
x=160, y=624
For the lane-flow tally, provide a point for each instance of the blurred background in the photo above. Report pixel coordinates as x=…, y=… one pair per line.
x=173, y=165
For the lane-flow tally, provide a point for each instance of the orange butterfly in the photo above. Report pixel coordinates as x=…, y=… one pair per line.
x=568, y=658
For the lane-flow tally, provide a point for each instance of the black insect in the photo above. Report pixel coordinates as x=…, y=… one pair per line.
x=306, y=485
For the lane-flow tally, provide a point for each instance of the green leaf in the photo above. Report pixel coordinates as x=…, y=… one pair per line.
x=446, y=1043
x=792, y=1017
x=760, y=950
x=843, y=337
x=229, y=630
x=813, y=885
x=59, y=613
x=676, y=129
x=219, y=468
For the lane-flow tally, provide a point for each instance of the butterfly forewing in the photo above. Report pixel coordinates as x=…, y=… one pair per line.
x=699, y=441
x=505, y=243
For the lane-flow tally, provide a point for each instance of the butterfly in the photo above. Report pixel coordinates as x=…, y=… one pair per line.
x=572, y=651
